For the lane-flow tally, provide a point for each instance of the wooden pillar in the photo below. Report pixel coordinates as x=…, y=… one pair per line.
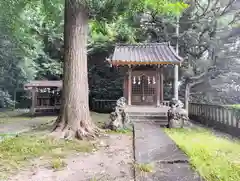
x=158, y=85
x=161, y=84
x=176, y=82
x=125, y=87
x=129, y=85
x=33, y=93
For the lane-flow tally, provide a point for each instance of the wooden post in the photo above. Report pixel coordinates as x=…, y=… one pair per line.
x=125, y=87
x=161, y=83
x=129, y=85
x=158, y=85
x=33, y=92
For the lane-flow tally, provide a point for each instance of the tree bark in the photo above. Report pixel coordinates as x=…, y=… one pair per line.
x=74, y=119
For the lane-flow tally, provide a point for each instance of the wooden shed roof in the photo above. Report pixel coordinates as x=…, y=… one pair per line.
x=43, y=83
x=145, y=53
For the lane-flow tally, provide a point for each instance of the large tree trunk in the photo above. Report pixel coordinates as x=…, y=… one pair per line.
x=74, y=119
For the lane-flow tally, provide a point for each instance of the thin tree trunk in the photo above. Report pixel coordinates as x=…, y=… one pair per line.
x=187, y=94
x=188, y=91
x=74, y=119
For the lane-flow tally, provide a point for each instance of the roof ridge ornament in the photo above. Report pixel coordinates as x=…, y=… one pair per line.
x=142, y=44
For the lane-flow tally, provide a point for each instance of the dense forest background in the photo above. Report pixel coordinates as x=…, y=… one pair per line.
x=31, y=47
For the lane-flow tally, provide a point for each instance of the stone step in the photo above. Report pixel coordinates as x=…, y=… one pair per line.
x=156, y=121
x=159, y=123
x=147, y=116
x=157, y=114
x=159, y=118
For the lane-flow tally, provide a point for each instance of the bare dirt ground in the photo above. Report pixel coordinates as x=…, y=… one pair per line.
x=24, y=124
x=113, y=161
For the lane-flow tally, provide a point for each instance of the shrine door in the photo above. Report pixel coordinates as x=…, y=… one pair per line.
x=143, y=90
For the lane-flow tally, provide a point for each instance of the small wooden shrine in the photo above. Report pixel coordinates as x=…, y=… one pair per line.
x=45, y=95
x=143, y=81
x=144, y=67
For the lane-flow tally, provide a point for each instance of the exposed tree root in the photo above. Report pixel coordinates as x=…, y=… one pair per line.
x=81, y=131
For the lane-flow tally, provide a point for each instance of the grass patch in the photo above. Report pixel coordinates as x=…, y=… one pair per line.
x=234, y=106
x=99, y=118
x=16, y=152
x=14, y=116
x=144, y=167
x=215, y=158
x=57, y=163
x=120, y=131
x=93, y=179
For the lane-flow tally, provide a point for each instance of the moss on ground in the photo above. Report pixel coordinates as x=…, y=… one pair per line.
x=10, y=116
x=17, y=151
x=147, y=168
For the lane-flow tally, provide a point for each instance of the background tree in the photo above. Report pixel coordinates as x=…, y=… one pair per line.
x=202, y=26
x=32, y=47
x=28, y=35
x=74, y=119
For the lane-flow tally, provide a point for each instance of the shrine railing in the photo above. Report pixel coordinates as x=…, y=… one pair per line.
x=223, y=118
x=165, y=103
x=108, y=105
x=102, y=105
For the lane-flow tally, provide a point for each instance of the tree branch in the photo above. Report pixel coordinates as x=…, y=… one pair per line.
x=226, y=9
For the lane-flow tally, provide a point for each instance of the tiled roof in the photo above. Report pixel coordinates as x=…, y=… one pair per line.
x=145, y=53
x=44, y=83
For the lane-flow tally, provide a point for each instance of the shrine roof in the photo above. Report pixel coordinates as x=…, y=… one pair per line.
x=144, y=53
x=43, y=83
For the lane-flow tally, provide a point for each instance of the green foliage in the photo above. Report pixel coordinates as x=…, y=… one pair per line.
x=167, y=7
x=31, y=39
x=5, y=99
x=29, y=48
x=215, y=158
x=104, y=34
x=57, y=163
x=234, y=106
x=106, y=10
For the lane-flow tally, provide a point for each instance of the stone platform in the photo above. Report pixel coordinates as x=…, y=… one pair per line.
x=148, y=114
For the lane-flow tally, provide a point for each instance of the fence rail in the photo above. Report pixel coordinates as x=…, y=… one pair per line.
x=165, y=103
x=226, y=119
x=103, y=106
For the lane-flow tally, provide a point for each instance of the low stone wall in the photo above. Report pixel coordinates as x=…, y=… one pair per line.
x=225, y=119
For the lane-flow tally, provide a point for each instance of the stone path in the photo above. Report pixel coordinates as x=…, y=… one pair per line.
x=154, y=147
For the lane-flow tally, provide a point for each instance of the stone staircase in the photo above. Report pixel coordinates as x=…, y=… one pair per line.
x=159, y=118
